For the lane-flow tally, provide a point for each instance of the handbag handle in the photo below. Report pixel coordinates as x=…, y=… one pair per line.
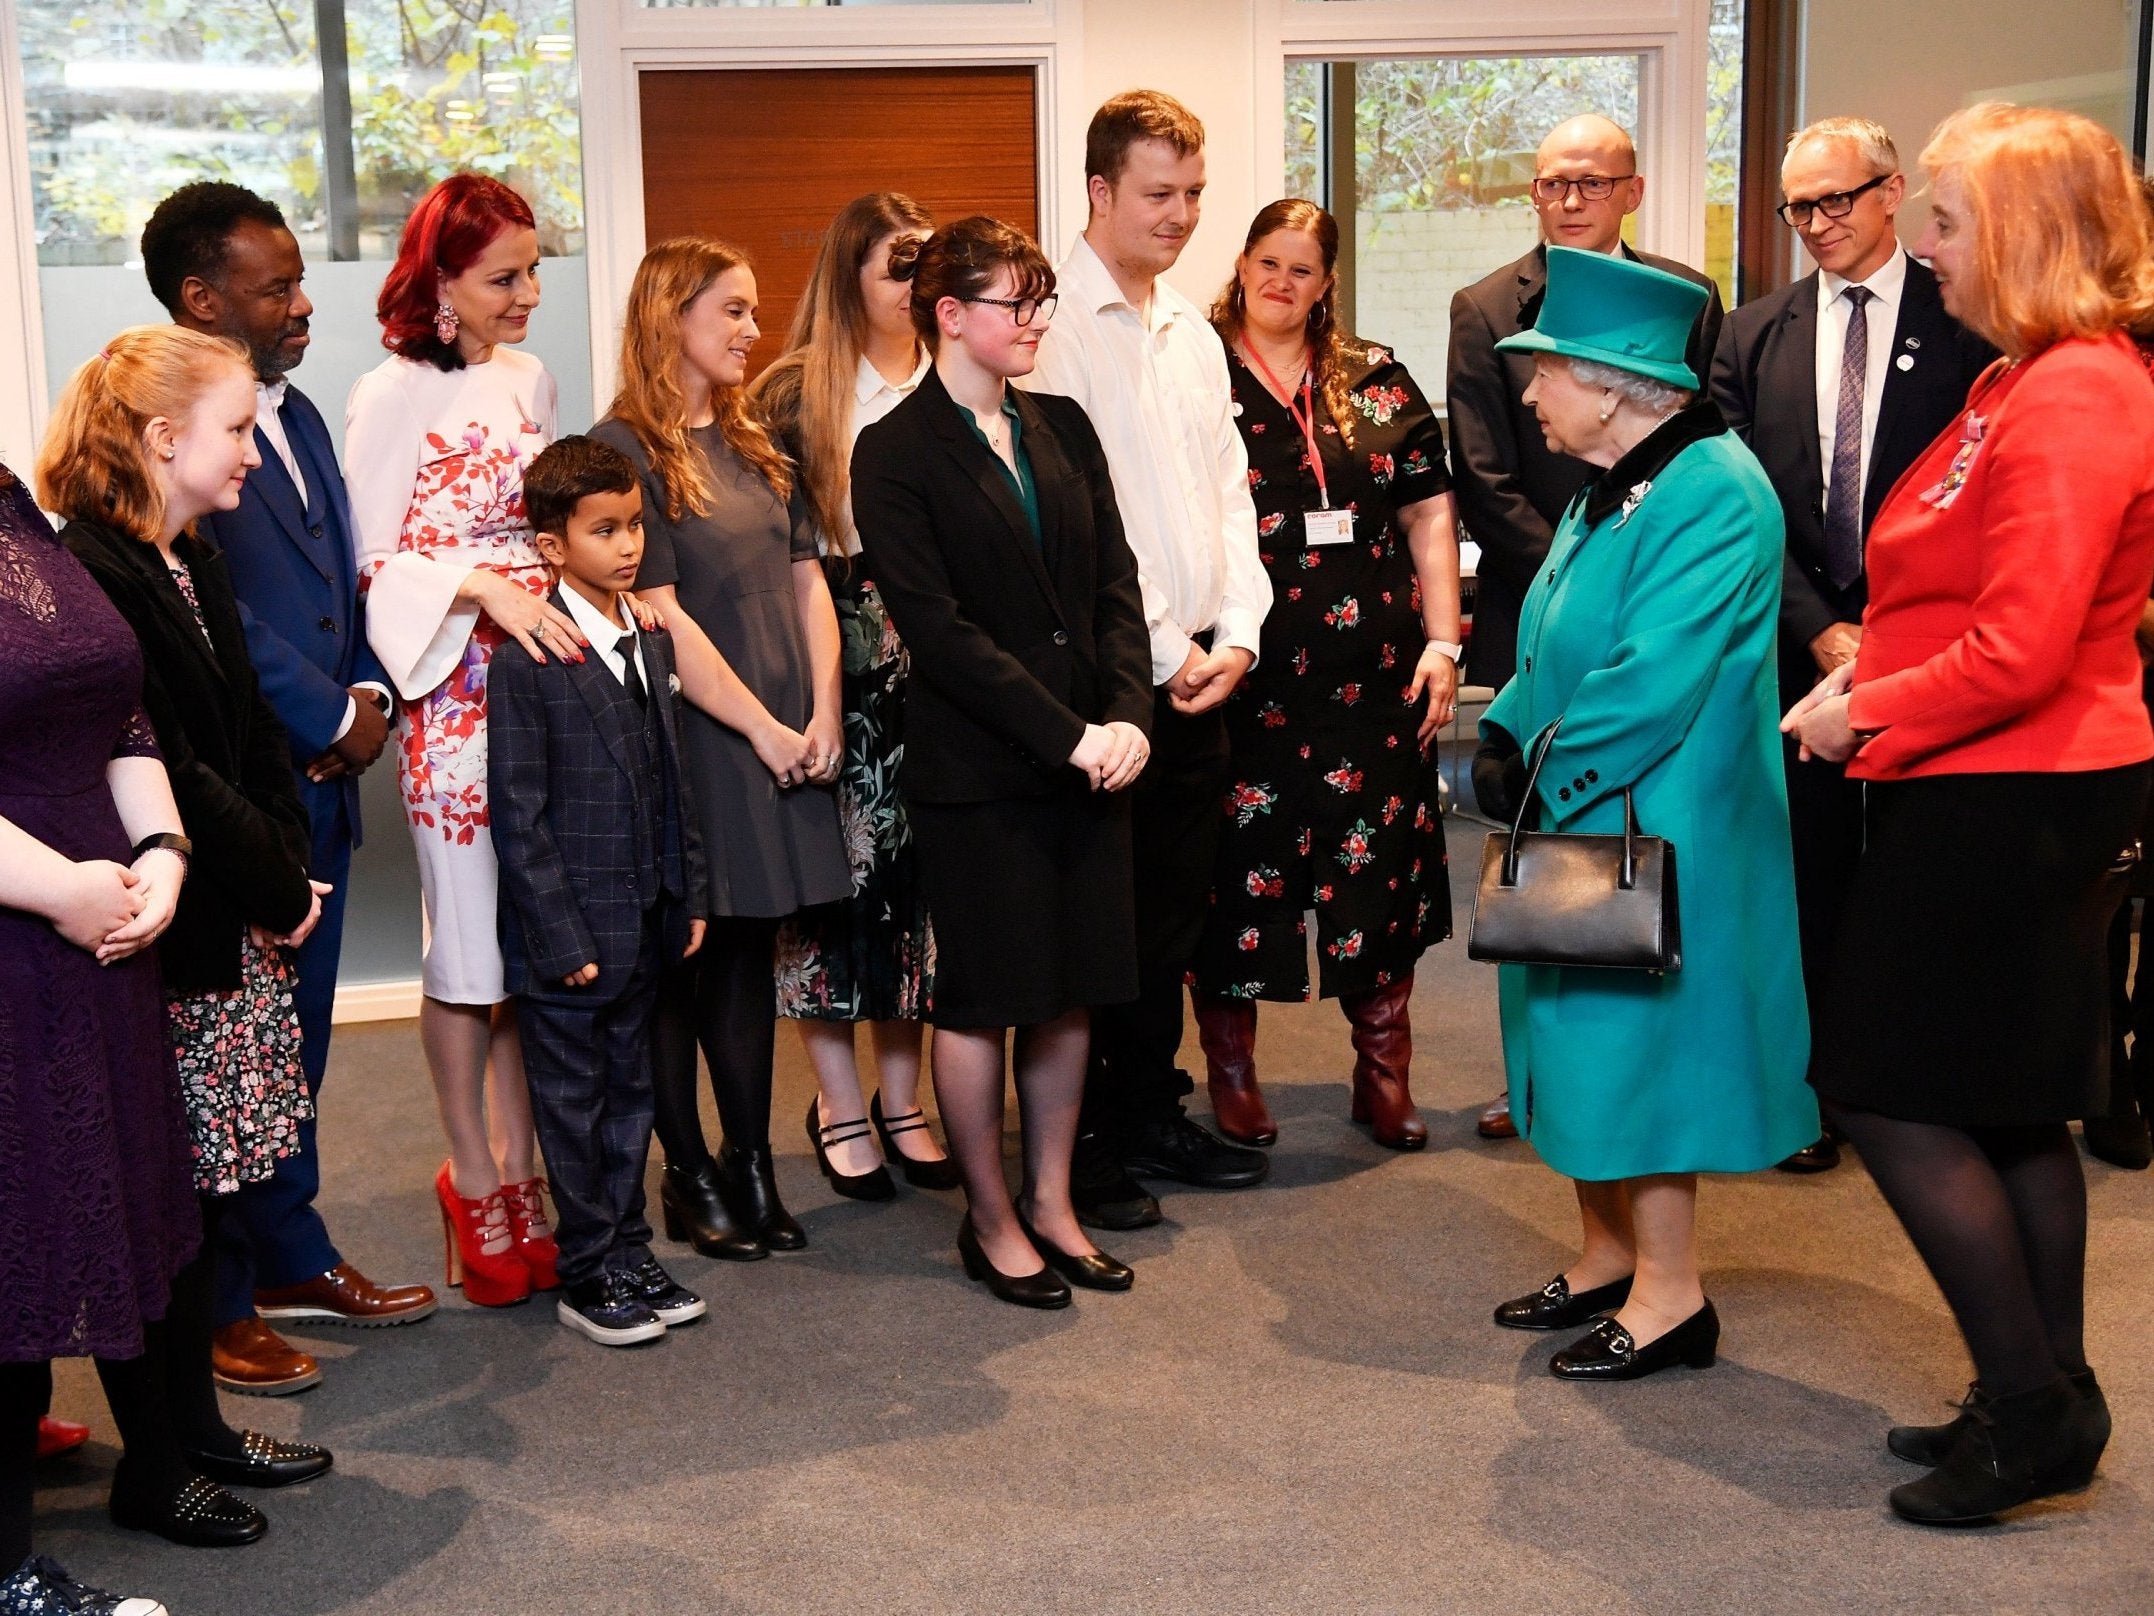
x=1528, y=806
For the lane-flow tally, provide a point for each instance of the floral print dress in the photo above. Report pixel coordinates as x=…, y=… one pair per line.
x=1333, y=806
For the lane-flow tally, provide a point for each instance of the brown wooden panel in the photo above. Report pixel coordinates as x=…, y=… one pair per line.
x=764, y=158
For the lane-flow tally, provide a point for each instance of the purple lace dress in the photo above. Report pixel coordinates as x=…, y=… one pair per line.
x=97, y=1205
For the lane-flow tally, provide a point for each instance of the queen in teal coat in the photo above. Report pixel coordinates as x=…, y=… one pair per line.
x=1650, y=633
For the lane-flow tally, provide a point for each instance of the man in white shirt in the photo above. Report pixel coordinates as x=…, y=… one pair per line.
x=1152, y=375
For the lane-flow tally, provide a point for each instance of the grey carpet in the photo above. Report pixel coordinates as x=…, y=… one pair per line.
x=1301, y=1408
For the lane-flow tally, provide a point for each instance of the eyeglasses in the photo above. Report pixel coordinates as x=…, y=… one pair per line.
x=1593, y=187
x=1024, y=310
x=1796, y=215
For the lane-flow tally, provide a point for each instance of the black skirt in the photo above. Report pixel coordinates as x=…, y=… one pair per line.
x=1034, y=904
x=1969, y=981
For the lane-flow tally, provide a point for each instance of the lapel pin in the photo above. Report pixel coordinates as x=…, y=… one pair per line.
x=1914, y=342
x=1905, y=362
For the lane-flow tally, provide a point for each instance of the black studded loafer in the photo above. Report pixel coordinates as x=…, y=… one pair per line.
x=1610, y=1352
x=201, y=1515
x=1555, y=1307
x=263, y=1461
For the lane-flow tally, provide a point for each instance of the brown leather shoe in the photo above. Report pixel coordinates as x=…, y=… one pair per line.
x=249, y=1357
x=1496, y=1120
x=1227, y=1030
x=346, y=1296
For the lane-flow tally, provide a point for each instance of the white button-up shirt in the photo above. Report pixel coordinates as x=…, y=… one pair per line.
x=874, y=398
x=269, y=416
x=1154, y=382
x=614, y=643
x=1882, y=316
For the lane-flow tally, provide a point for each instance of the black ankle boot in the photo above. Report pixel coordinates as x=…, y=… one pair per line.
x=2014, y=1450
x=1931, y=1445
x=695, y=1211
x=749, y=1186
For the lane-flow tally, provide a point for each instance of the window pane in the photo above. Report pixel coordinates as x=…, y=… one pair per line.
x=809, y=5
x=1723, y=141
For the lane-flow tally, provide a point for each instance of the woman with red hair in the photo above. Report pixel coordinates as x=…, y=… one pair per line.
x=436, y=440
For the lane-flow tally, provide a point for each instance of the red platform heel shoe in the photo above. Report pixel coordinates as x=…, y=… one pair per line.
x=534, y=1235
x=482, y=1255
x=55, y=1437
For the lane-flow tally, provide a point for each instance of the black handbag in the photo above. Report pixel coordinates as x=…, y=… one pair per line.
x=1570, y=898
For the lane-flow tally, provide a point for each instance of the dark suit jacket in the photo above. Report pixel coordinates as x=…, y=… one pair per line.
x=567, y=802
x=294, y=571
x=1510, y=486
x=1765, y=381
x=226, y=754
x=1016, y=643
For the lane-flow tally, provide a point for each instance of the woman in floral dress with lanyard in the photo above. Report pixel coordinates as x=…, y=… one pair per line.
x=1334, y=799
x=436, y=439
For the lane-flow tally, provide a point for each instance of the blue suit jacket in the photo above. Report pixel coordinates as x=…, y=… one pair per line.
x=294, y=572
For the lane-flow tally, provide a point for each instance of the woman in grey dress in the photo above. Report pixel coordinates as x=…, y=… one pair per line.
x=730, y=560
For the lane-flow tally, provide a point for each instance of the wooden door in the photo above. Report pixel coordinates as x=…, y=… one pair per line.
x=764, y=158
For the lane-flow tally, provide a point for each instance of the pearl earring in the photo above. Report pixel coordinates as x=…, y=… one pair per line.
x=445, y=322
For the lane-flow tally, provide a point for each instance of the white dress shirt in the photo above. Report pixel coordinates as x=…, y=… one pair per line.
x=614, y=643
x=1883, y=318
x=874, y=398
x=269, y=416
x=1154, y=381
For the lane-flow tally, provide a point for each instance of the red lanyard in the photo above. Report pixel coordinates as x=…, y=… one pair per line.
x=1304, y=417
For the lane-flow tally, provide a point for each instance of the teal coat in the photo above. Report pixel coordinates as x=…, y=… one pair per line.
x=1650, y=631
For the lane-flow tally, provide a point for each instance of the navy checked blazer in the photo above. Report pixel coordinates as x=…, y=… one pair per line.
x=567, y=805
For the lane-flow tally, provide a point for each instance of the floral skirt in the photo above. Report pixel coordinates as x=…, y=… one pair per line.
x=240, y=1072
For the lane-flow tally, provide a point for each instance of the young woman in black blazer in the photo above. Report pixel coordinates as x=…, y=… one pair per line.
x=988, y=520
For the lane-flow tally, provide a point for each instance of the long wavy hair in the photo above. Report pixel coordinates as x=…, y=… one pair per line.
x=452, y=225
x=650, y=402
x=806, y=396
x=1327, y=343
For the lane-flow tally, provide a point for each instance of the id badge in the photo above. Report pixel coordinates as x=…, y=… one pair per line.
x=1328, y=527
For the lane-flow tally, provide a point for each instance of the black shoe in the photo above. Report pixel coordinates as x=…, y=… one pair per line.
x=1102, y=1191
x=872, y=1185
x=2122, y=1141
x=1820, y=1156
x=201, y=1515
x=1043, y=1289
x=262, y=1462
x=1186, y=1151
x=608, y=1310
x=1608, y=1352
x=694, y=1211
x=921, y=1175
x=749, y=1185
x=1554, y=1307
x=1931, y=1445
x=674, y=1303
x=1092, y=1271
x=40, y=1587
x=2013, y=1450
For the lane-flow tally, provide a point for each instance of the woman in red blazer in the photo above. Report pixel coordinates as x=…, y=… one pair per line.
x=1994, y=710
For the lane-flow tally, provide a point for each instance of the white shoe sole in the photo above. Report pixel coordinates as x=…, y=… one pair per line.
x=670, y=1316
x=327, y=1315
x=633, y=1335
x=139, y=1607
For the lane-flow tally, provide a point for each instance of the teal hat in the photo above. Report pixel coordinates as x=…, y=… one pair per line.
x=1615, y=311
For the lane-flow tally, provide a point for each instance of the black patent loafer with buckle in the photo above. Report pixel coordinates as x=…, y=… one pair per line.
x=1556, y=1307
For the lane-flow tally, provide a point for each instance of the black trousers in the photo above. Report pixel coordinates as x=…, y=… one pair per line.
x=587, y=1057
x=1175, y=810
x=726, y=1000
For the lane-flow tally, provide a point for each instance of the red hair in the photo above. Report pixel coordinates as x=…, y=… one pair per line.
x=452, y=225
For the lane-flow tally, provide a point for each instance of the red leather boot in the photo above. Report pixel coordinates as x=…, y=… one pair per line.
x=1383, y=1050
x=1227, y=1030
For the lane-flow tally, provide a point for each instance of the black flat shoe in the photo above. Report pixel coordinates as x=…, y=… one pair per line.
x=1821, y=1155
x=2013, y=1450
x=872, y=1185
x=1093, y=1271
x=748, y=1183
x=695, y=1212
x=1102, y=1191
x=1555, y=1307
x=201, y=1515
x=1608, y=1352
x=263, y=1462
x=1043, y=1289
x=2121, y=1140
x=921, y=1175
x=1182, y=1149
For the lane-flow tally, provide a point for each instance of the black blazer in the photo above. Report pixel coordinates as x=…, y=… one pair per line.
x=227, y=755
x=1765, y=382
x=1016, y=643
x=1510, y=486
x=567, y=802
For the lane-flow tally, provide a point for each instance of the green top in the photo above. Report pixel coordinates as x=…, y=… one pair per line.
x=1028, y=493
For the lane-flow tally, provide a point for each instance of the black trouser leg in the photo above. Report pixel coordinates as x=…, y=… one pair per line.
x=2142, y=1012
x=674, y=1108
x=25, y=1395
x=138, y=1391
x=726, y=1000
x=190, y=1321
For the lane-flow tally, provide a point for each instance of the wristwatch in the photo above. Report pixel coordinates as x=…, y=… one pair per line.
x=1448, y=648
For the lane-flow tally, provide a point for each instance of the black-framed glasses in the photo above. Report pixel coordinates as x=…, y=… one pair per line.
x=1024, y=310
x=1593, y=187
x=1795, y=215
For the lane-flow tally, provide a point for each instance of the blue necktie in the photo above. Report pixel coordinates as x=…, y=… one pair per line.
x=1843, y=496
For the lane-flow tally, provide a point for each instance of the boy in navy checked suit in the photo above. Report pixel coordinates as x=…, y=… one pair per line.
x=602, y=881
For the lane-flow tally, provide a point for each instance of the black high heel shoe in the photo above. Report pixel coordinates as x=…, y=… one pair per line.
x=694, y=1210
x=749, y=1186
x=872, y=1185
x=1555, y=1306
x=1043, y=1289
x=921, y=1175
x=1094, y=1270
x=1610, y=1352
x=201, y=1515
x=262, y=1461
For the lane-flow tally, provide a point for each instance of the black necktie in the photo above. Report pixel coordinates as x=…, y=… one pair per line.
x=1843, y=497
x=629, y=674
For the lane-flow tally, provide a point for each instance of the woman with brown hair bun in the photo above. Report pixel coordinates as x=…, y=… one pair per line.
x=730, y=562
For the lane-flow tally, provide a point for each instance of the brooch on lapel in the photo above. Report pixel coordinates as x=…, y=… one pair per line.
x=1947, y=489
x=673, y=684
x=1632, y=500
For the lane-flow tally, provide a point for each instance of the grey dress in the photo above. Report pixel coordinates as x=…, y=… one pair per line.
x=771, y=850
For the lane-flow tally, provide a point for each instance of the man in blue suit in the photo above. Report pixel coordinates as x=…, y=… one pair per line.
x=221, y=260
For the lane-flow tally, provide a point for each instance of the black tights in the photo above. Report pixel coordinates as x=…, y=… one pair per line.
x=725, y=999
x=1999, y=1216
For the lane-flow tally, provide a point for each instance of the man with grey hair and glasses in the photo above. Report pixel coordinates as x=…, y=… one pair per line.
x=1837, y=383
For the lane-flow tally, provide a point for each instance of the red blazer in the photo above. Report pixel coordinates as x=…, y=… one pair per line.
x=2007, y=569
